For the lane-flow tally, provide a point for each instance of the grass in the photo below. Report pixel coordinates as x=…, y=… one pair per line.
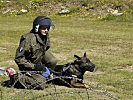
x=108, y=44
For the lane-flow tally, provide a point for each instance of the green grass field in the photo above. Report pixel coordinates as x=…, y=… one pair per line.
x=109, y=45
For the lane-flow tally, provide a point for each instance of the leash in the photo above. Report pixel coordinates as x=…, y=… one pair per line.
x=55, y=72
x=66, y=68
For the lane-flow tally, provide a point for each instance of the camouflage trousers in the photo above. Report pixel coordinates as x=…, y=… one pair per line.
x=49, y=60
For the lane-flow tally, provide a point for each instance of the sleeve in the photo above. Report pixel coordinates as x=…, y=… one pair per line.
x=21, y=53
x=48, y=43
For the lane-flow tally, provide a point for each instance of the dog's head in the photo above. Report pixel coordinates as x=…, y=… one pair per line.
x=84, y=64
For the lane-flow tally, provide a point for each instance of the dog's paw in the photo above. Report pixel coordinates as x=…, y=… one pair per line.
x=86, y=86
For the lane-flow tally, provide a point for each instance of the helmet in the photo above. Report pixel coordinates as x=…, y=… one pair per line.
x=41, y=21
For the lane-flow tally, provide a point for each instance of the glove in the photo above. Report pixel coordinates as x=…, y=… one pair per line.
x=46, y=73
x=42, y=67
x=39, y=67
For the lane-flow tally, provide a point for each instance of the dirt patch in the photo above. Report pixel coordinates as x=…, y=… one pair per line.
x=8, y=63
x=3, y=50
x=62, y=87
x=94, y=73
x=63, y=56
x=9, y=44
x=129, y=68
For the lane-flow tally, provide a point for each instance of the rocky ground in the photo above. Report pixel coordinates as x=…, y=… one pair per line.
x=93, y=8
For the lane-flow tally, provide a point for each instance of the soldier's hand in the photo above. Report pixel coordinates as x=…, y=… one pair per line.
x=39, y=67
x=46, y=73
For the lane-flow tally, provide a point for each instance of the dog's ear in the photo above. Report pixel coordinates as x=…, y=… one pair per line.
x=85, y=54
x=77, y=57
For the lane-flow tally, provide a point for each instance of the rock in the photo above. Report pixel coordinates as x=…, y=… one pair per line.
x=63, y=7
x=65, y=11
x=7, y=11
x=8, y=1
x=114, y=12
x=22, y=11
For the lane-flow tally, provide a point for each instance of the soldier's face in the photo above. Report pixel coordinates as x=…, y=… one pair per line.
x=44, y=30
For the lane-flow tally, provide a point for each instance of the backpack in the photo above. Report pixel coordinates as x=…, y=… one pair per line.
x=28, y=80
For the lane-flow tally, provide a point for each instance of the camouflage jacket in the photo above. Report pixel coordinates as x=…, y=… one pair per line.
x=31, y=50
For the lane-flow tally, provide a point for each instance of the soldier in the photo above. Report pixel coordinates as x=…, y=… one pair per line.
x=32, y=53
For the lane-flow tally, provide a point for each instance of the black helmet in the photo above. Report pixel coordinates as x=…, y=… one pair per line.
x=41, y=21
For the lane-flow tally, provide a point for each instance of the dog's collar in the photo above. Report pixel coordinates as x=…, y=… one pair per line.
x=70, y=65
x=78, y=69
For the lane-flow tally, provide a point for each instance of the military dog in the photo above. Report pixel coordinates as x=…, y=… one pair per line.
x=73, y=72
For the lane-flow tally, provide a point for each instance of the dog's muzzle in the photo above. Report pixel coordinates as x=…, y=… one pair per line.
x=93, y=68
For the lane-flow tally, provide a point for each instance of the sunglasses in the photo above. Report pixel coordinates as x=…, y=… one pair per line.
x=45, y=27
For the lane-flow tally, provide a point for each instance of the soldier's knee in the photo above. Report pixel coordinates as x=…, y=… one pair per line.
x=53, y=61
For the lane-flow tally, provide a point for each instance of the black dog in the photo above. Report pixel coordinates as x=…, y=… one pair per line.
x=73, y=72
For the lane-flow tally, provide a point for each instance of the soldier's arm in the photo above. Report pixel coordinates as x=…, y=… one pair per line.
x=22, y=51
x=48, y=42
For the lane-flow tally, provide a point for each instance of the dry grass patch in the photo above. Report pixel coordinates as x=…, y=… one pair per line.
x=128, y=68
x=3, y=50
x=8, y=63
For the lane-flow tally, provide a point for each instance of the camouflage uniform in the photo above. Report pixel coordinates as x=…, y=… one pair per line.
x=32, y=50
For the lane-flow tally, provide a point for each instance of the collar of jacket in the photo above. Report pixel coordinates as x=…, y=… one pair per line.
x=40, y=40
